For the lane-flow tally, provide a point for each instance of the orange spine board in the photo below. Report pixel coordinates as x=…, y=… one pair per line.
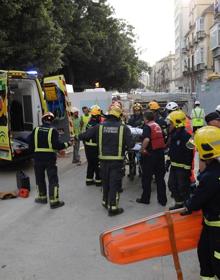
x=149, y=238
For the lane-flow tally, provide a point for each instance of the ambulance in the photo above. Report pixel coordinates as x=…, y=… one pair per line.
x=23, y=101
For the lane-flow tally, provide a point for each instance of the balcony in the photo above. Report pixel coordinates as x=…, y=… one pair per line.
x=215, y=40
x=200, y=67
x=200, y=35
x=184, y=50
x=195, y=39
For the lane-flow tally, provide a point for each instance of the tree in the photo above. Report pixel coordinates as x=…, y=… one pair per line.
x=30, y=38
x=101, y=48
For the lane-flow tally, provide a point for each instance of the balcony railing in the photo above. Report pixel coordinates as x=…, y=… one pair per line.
x=200, y=35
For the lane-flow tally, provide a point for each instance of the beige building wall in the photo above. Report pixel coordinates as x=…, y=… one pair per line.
x=163, y=74
x=198, y=57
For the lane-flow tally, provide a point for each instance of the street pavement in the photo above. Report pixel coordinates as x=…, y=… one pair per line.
x=38, y=243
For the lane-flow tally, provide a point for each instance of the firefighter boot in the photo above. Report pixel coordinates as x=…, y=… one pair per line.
x=57, y=204
x=98, y=183
x=113, y=211
x=105, y=204
x=54, y=199
x=90, y=182
x=41, y=200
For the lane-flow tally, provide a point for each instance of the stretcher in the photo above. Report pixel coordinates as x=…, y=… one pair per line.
x=155, y=236
x=132, y=156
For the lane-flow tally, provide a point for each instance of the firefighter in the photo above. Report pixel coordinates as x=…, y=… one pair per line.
x=171, y=107
x=136, y=120
x=212, y=119
x=197, y=116
x=113, y=138
x=207, y=198
x=91, y=150
x=155, y=108
x=44, y=141
x=153, y=161
x=180, y=159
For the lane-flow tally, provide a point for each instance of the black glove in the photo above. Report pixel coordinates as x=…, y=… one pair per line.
x=167, y=165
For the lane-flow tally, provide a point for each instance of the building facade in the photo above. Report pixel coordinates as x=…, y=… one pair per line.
x=163, y=75
x=181, y=26
x=197, y=55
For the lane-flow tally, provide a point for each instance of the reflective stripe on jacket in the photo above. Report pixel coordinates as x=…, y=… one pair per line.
x=43, y=132
x=111, y=135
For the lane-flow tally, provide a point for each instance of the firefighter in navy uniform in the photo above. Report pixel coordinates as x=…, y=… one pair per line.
x=44, y=142
x=153, y=161
x=136, y=120
x=113, y=138
x=207, y=198
x=91, y=150
x=180, y=159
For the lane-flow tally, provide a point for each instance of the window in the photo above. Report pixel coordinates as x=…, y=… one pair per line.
x=215, y=37
x=200, y=24
x=216, y=6
x=199, y=56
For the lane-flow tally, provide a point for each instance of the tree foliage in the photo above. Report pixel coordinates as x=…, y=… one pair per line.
x=30, y=38
x=78, y=37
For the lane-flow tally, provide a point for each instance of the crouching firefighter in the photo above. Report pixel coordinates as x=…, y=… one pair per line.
x=113, y=138
x=207, y=198
x=91, y=150
x=44, y=142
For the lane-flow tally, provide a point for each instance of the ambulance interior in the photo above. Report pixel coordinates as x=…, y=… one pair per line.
x=24, y=108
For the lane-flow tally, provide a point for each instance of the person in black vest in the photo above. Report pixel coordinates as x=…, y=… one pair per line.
x=207, y=199
x=153, y=161
x=181, y=158
x=44, y=142
x=91, y=150
x=136, y=120
x=113, y=138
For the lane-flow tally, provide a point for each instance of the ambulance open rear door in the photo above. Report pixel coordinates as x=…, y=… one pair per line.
x=58, y=103
x=5, y=142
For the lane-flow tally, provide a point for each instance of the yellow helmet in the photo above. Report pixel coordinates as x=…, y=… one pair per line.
x=115, y=111
x=137, y=107
x=207, y=142
x=95, y=110
x=178, y=118
x=153, y=105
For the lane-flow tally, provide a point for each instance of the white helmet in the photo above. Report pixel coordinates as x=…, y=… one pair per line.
x=172, y=106
x=197, y=102
x=74, y=110
x=218, y=108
